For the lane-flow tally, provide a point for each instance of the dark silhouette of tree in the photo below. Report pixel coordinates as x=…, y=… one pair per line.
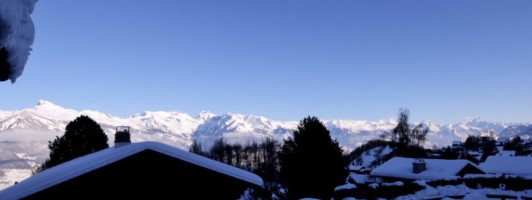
x=196, y=148
x=407, y=141
x=516, y=141
x=513, y=144
x=228, y=152
x=311, y=163
x=401, y=132
x=237, y=150
x=269, y=166
x=472, y=143
x=419, y=134
x=488, y=149
x=255, y=154
x=448, y=153
x=259, y=158
x=82, y=136
x=217, y=151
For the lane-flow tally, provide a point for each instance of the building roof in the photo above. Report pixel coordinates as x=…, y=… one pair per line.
x=515, y=165
x=87, y=163
x=400, y=167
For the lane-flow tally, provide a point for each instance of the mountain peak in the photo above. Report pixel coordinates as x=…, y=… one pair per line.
x=50, y=110
x=475, y=119
x=206, y=115
x=47, y=105
x=42, y=102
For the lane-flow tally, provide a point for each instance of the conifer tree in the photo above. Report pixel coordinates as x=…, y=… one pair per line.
x=311, y=163
x=82, y=136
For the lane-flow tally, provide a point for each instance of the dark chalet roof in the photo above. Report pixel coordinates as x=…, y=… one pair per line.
x=145, y=168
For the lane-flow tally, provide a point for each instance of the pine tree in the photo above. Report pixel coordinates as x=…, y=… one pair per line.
x=82, y=136
x=217, y=151
x=311, y=163
x=196, y=148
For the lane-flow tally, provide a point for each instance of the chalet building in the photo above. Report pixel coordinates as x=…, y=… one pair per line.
x=489, y=134
x=509, y=165
x=457, y=145
x=400, y=168
x=128, y=170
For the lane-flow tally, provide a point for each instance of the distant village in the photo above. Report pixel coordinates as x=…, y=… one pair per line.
x=501, y=168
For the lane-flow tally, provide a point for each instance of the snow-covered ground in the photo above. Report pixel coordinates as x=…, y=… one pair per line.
x=504, y=153
x=367, y=159
x=462, y=191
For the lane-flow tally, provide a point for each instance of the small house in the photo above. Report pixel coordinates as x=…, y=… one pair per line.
x=457, y=145
x=425, y=169
x=128, y=170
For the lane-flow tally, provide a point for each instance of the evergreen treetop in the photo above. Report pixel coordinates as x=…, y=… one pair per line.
x=311, y=162
x=82, y=136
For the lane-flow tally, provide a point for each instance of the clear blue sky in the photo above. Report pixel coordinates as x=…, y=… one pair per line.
x=363, y=60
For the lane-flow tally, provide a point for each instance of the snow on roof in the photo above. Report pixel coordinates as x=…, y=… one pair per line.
x=347, y=186
x=84, y=164
x=516, y=165
x=399, y=167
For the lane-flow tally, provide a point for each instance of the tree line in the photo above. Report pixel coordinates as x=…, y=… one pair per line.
x=259, y=158
x=308, y=164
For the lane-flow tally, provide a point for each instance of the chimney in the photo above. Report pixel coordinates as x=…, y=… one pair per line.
x=122, y=136
x=419, y=165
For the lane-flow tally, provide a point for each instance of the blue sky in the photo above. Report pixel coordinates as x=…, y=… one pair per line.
x=446, y=61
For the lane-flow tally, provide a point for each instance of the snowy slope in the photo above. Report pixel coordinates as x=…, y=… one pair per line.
x=355, y=133
x=237, y=128
x=24, y=134
x=367, y=159
x=525, y=131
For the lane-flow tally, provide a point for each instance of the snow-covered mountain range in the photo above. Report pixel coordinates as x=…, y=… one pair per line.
x=24, y=134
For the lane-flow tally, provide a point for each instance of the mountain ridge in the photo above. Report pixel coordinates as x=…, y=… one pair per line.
x=24, y=134
x=48, y=116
